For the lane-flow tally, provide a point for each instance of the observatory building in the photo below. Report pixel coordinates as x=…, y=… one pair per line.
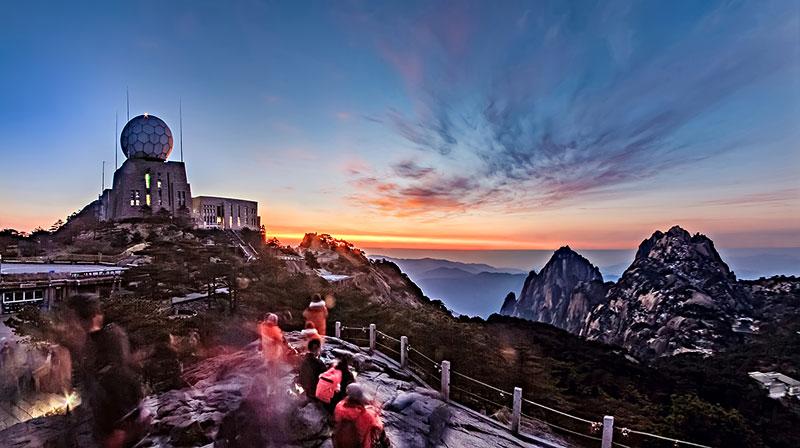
x=147, y=184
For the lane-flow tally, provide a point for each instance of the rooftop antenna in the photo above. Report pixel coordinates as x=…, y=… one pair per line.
x=103, y=177
x=128, y=102
x=116, y=139
x=180, y=124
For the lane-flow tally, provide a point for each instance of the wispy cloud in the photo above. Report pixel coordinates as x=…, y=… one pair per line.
x=787, y=196
x=544, y=112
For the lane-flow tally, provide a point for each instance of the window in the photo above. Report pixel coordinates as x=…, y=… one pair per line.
x=23, y=296
x=135, y=198
x=147, y=199
x=181, y=199
x=147, y=181
x=209, y=214
x=160, y=196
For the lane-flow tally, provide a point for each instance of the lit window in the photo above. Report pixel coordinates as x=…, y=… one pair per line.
x=135, y=198
x=147, y=180
x=147, y=199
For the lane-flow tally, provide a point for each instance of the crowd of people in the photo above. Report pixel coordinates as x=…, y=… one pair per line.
x=111, y=388
x=356, y=417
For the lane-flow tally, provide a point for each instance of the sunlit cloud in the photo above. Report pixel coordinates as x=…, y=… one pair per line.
x=561, y=123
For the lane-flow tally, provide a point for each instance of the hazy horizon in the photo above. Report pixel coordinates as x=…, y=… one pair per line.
x=747, y=263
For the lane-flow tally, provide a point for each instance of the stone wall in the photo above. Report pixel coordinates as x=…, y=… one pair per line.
x=169, y=190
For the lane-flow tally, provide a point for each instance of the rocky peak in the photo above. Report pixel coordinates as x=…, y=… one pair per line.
x=509, y=303
x=680, y=249
x=560, y=294
x=329, y=249
x=677, y=296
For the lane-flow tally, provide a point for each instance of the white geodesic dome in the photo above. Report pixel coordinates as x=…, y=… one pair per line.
x=146, y=137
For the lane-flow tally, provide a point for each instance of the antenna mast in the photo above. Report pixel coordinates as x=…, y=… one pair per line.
x=103, y=177
x=116, y=139
x=180, y=124
x=128, y=103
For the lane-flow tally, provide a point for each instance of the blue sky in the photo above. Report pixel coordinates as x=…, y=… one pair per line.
x=441, y=124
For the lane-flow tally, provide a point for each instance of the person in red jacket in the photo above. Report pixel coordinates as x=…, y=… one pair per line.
x=310, y=333
x=317, y=313
x=357, y=422
x=273, y=345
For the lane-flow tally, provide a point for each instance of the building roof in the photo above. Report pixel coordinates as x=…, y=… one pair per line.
x=767, y=378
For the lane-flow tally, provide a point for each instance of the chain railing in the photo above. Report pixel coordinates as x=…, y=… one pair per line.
x=504, y=407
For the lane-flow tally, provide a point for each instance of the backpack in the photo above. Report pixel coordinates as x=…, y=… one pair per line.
x=329, y=383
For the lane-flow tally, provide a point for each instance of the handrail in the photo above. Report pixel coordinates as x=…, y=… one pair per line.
x=502, y=392
x=387, y=336
x=595, y=425
x=412, y=349
x=559, y=412
x=561, y=428
x=626, y=431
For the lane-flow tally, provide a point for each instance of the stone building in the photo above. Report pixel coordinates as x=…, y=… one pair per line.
x=225, y=213
x=148, y=184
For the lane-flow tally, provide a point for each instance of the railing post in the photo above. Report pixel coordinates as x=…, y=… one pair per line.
x=338, y=329
x=371, y=338
x=608, y=431
x=446, y=380
x=403, y=352
x=516, y=410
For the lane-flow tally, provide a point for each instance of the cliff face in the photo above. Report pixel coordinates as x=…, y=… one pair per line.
x=561, y=294
x=677, y=296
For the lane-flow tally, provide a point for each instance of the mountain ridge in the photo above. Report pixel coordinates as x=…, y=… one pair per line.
x=677, y=296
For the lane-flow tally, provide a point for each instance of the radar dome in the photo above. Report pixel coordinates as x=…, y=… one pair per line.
x=146, y=137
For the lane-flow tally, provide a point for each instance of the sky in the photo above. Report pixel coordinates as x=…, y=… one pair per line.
x=445, y=125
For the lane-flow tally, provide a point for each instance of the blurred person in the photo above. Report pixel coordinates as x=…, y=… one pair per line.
x=357, y=421
x=310, y=333
x=317, y=312
x=112, y=389
x=273, y=345
x=9, y=374
x=6, y=353
x=311, y=368
x=59, y=380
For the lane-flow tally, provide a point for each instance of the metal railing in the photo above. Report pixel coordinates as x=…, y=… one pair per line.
x=458, y=391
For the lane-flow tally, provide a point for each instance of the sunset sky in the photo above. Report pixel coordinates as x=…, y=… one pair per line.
x=462, y=125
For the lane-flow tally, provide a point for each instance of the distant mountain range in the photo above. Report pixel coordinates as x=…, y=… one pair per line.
x=466, y=288
x=677, y=296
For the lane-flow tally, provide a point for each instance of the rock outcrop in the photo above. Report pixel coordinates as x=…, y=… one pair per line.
x=236, y=400
x=509, y=303
x=677, y=296
x=561, y=294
